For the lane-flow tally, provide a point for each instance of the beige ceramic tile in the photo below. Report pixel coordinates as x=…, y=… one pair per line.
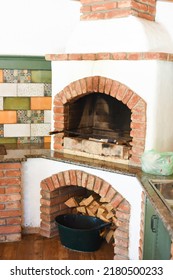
x=1, y=103
x=16, y=130
x=8, y=89
x=40, y=129
x=30, y=89
x=47, y=116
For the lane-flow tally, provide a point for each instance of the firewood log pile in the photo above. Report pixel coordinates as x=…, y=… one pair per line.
x=95, y=206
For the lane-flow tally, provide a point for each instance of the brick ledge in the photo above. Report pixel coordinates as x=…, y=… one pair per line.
x=111, y=56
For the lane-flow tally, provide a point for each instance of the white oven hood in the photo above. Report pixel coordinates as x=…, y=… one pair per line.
x=128, y=34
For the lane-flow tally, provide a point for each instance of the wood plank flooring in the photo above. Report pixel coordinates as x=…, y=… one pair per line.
x=36, y=247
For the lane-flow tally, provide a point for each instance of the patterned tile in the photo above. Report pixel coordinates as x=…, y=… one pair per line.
x=23, y=140
x=30, y=89
x=33, y=140
x=10, y=76
x=28, y=116
x=37, y=116
x=24, y=76
x=23, y=116
x=40, y=129
x=47, y=90
x=1, y=130
x=17, y=76
x=37, y=140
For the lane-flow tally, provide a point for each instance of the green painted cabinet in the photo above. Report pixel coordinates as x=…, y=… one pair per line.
x=157, y=241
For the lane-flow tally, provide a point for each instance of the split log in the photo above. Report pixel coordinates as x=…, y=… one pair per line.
x=100, y=211
x=93, y=207
x=109, y=236
x=86, y=201
x=114, y=220
x=103, y=218
x=71, y=202
x=109, y=215
x=108, y=206
x=90, y=213
x=81, y=209
x=104, y=199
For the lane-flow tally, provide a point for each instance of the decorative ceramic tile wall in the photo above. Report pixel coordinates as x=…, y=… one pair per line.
x=25, y=106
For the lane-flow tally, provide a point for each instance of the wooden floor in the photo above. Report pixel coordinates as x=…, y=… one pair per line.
x=36, y=247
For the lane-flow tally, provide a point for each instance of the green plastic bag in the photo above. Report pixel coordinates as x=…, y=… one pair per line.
x=157, y=163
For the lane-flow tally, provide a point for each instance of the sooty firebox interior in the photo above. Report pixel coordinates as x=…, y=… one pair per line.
x=98, y=116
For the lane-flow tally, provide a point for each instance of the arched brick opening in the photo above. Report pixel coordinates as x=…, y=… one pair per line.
x=56, y=189
x=115, y=89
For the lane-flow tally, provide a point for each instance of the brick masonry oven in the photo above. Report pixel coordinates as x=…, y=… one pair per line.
x=107, y=101
x=108, y=84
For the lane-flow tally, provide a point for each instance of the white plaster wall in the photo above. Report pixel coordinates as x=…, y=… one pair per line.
x=35, y=170
x=38, y=27
x=152, y=80
x=164, y=16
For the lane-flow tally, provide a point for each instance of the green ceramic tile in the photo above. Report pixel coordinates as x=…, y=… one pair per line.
x=5, y=140
x=24, y=62
x=16, y=103
x=41, y=76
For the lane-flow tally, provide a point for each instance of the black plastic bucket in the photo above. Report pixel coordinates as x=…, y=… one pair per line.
x=79, y=232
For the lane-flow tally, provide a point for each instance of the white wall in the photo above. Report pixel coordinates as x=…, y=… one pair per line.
x=164, y=16
x=35, y=170
x=38, y=27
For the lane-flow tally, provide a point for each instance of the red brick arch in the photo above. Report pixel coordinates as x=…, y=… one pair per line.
x=53, y=198
x=98, y=84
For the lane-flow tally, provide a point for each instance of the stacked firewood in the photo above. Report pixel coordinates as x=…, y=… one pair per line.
x=95, y=206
